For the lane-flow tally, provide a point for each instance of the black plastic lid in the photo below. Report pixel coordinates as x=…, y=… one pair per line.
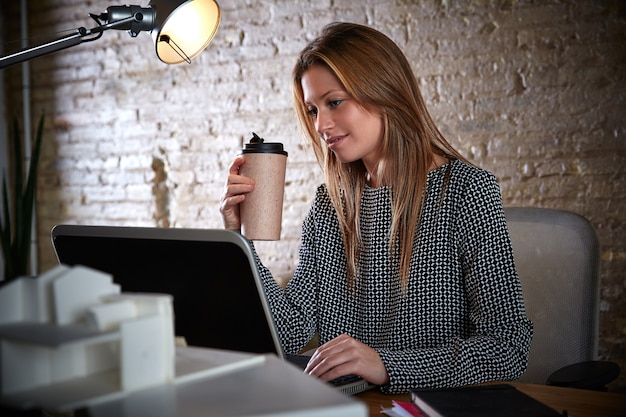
x=258, y=145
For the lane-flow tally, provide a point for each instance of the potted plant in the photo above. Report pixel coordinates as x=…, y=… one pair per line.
x=17, y=213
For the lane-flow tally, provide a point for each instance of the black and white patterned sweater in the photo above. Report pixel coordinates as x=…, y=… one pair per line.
x=462, y=319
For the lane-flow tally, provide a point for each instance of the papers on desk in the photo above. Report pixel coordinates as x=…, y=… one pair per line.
x=403, y=409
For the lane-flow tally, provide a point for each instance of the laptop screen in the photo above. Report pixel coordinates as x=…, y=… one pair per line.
x=218, y=301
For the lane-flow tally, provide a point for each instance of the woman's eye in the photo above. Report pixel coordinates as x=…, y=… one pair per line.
x=334, y=103
x=312, y=111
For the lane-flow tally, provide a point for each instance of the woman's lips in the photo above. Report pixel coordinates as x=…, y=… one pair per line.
x=334, y=141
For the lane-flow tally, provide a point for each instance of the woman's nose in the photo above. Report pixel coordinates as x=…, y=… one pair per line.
x=323, y=122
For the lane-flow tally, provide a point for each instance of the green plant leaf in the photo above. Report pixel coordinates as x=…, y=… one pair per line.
x=5, y=231
x=18, y=175
x=15, y=232
x=28, y=198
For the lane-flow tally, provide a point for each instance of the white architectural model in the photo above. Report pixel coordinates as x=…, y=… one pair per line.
x=70, y=340
x=72, y=328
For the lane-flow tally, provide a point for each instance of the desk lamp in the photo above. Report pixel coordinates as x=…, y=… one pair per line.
x=181, y=29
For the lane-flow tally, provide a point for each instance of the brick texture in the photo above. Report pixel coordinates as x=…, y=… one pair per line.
x=532, y=90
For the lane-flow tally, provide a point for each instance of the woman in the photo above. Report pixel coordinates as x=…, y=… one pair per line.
x=405, y=269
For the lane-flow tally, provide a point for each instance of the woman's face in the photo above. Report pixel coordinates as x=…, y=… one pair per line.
x=349, y=130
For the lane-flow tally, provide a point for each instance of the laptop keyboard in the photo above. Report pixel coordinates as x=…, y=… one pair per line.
x=346, y=379
x=299, y=360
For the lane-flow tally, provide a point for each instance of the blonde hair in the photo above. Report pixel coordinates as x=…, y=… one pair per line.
x=375, y=72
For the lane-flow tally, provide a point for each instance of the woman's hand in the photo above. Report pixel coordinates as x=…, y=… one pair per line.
x=234, y=193
x=345, y=355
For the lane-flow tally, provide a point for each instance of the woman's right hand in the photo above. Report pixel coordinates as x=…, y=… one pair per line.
x=234, y=193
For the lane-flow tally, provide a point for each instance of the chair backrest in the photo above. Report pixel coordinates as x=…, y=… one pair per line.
x=557, y=256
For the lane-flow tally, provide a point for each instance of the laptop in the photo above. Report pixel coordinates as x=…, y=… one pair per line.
x=218, y=298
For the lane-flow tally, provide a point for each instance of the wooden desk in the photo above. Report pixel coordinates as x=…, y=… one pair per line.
x=577, y=402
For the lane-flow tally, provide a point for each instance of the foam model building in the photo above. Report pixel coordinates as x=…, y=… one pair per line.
x=70, y=340
x=73, y=329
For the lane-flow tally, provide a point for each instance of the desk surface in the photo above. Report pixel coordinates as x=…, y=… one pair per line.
x=577, y=402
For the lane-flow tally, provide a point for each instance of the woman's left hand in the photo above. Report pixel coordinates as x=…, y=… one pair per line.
x=345, y=355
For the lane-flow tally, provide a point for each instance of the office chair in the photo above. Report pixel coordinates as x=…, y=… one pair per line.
x=557, y=256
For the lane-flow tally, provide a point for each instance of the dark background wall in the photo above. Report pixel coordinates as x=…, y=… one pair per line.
x=533, y=91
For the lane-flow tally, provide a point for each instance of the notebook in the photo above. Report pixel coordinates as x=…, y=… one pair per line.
x=218, y=297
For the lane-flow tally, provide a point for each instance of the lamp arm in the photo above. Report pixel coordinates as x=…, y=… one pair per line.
x=44, y=48
x=80, y=36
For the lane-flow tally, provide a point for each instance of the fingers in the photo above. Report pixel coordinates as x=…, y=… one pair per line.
x=236, y=185
x=234, y=166
x=332, y=359
x=345, y=355
x=234, y=192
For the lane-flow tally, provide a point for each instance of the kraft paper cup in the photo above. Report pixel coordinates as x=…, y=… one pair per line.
x=261, y=212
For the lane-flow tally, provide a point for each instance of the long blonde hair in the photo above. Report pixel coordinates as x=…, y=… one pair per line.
x=375, y=72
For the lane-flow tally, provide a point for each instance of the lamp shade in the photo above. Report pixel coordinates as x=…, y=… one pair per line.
x=183, y=29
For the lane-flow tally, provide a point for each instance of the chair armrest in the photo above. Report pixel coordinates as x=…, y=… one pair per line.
x=592, y=375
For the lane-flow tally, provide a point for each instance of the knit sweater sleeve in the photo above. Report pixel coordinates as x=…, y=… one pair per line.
x=294, y=308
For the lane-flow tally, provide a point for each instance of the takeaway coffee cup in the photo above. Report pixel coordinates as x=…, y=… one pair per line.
x=262, y=211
